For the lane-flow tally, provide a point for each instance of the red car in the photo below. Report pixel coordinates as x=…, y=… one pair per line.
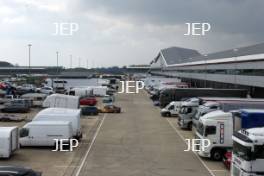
x=227, y=159
x=90, y=101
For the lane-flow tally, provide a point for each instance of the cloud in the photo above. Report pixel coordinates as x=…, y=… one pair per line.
x=118, y=32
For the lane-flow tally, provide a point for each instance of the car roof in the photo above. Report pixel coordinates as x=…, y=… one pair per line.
x=14, y=170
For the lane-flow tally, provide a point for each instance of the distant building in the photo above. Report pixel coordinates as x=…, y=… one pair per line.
x=240, y=67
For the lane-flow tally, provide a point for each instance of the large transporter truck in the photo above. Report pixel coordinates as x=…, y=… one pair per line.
x=218, y=127
x=177, y=94
x=248, y=151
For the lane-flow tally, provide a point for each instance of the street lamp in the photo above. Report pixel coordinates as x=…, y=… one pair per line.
x=235, y=71
x=29, y=48
x=205, y=69
x=70, y=61
x=57, y=53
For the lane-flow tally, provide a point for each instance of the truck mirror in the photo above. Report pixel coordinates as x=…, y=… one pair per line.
x=24, y=132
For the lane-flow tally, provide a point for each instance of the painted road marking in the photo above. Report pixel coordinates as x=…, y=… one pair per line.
x=178, y=133
x=90, y=147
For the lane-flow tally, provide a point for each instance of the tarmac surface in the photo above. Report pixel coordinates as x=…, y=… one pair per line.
x=136, y=142
x=139, y=142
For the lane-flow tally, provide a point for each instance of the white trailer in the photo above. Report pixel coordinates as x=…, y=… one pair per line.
x=8, y=141
x=81, y=91
x=62, y=114
x=44, y=133
x=62, y=101
x=99, y=91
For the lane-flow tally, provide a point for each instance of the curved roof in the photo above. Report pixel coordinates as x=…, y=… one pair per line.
x=174, y=55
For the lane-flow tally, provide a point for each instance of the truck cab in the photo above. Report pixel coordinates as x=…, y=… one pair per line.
x=187, y=112
x=217, y=127
x=203, y=109
x=248, y=152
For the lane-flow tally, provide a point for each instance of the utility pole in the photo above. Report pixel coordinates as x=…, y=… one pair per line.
x=205, y=69
x=57, y=53
x=29, y=53
x=70, y=61
x=235, y=72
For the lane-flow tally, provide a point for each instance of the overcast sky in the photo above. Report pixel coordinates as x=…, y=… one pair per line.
x=122, y=32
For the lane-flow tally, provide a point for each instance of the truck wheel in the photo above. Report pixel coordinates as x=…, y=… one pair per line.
x=217, y=154
x=168, y=114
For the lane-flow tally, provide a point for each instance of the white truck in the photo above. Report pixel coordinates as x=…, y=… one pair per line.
x=62, y=114
x=224, y=103
x=62, y=101
x=218, y=126
x=44, y=133
x=8, y=141
x=248, y=152
x=187, y=111
x=203, y=109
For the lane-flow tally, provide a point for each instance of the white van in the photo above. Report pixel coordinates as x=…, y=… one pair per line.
x=8, y=141
x=62, y=101
x=44, y=133
x=58, y=114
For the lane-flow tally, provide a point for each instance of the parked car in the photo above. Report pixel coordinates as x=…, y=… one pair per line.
x=110, y=109
x=90, y=101
x=109, y=99
x=17, y=171
x=25, y=88
x=17, y=106
x=227, y=159
x=46, y=90
x=89, y=110
x=6, y=99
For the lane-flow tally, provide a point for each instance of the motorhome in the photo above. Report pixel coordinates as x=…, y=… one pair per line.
x=248, y=152
x=44, y=133
x=62, y=101
x=36, y=98
x=218, y=126
x=8, y=141
x=176, y=94
x=62, y=114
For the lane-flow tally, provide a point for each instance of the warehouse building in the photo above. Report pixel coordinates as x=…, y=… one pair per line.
x=235, y=68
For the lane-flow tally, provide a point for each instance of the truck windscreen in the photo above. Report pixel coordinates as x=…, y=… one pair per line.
x=241, y=151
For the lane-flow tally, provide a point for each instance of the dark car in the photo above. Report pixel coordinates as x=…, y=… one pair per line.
x=89, y=110
x=17, y=171
x=17, y=106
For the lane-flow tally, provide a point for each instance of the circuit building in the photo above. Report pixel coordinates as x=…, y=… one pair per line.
x=235, y=68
